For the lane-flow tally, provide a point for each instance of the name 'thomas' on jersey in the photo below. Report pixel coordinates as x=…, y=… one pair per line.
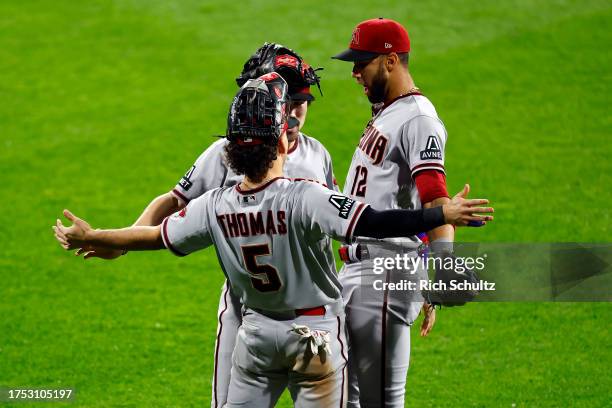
x=308, y=159
x=272, y=242
x=402, y=139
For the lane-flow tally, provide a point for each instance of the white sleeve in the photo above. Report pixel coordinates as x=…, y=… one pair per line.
x=188, y=230
x=208, y=172
x=423, y=140
x=327, y=212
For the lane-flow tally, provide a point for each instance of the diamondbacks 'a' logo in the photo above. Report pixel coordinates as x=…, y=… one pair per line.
x=355, y=37
x=185, y=181
x=343, y=204
x=432, y=149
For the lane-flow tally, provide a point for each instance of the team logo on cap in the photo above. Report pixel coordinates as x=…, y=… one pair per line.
x=355, y=37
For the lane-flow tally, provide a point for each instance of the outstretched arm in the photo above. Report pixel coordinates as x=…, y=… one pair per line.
x=403, y=223
x=80, y=235
x=158, y=209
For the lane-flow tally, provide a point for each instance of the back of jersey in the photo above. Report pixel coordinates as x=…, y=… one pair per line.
x=271, y=241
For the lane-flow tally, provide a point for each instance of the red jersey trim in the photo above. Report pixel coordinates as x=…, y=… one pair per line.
x=351, y=227
x=218, y=342
x=167, y=240
x=180, y=196
x=386, y=105
x=307, y=179
x=345, y=361
x=423, y=166
x=257, y=189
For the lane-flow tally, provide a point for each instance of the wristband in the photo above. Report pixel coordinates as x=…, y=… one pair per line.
x=433, y=217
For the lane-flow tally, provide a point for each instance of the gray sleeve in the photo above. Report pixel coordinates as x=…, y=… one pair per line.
x=189, y=229
x=209, y=171
x=423, y=141
x=330, y=178
x=326, y=212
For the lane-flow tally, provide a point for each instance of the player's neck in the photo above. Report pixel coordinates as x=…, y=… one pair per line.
x=275, y=171
x=399, y=85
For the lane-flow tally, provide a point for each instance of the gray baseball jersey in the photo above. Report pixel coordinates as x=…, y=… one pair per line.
x=307, y=160
x=401, y=139
x=271, y=241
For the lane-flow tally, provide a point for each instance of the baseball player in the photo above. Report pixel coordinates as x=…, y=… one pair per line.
x=399, y=163
x=307, y=159
x=270, y=237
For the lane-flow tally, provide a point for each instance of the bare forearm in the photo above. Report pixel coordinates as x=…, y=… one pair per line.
x=137, y=238
x=158, y=209
x=446, y=232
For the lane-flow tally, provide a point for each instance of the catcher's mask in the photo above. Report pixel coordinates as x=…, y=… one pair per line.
x=272, y=57
x=260, y=111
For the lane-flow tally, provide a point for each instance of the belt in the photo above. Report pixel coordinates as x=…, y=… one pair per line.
x=292, y=314
x=311, y=311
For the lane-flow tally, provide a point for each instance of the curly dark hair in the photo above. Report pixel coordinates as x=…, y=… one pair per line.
x=252, y=161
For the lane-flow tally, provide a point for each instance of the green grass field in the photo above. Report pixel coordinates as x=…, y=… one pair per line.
x=105, y=104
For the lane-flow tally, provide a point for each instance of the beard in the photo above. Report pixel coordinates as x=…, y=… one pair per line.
x=292, y=134
x=378, y=88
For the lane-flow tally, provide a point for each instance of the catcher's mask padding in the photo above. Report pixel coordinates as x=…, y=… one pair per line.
x=259, y=111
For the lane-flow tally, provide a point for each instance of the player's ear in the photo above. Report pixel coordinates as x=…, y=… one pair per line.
x=392, y=61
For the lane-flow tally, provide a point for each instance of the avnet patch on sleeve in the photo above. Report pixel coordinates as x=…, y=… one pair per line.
x=343, y=204
x=432, y=149
x=185, y=181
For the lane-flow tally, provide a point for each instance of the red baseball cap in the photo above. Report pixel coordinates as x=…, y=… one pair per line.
x=374, y=37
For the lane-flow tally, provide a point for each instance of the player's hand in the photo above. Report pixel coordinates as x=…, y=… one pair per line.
x=74, y=236
x=429, y=318
x=462, y=211
x=99, y=252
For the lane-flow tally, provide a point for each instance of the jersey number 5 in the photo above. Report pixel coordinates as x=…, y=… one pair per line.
x=263, y=277
x=359, y=182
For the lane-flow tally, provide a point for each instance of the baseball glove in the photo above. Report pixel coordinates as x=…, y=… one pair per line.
x=275, y=57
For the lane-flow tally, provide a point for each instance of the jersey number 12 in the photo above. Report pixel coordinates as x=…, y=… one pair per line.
x=359, y=182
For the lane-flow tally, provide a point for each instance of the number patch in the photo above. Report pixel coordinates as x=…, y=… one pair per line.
x=359, y=182
x=264, y=277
